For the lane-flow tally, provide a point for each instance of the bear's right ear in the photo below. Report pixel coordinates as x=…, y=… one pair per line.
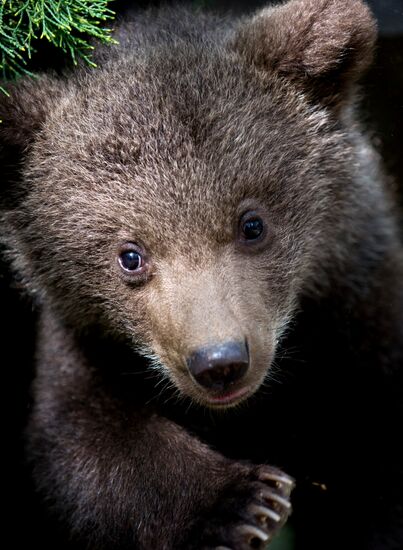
x=23, y=110
x=322, y=46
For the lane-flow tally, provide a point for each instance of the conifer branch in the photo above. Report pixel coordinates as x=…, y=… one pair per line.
x=67, y=24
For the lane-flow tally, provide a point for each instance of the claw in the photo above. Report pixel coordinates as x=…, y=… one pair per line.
x=266, y=512
x=268, y=476
x=269, y=495
x=253, y=532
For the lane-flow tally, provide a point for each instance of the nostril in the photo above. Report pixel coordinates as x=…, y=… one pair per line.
x=218, y=367
x=219, y=378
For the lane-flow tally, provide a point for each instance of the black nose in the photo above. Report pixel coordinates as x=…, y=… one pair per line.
x=218, y=367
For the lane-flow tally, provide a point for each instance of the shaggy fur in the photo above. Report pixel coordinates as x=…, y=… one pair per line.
x=190, y=122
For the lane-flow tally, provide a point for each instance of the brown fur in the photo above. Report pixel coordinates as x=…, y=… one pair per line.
x=166, y=144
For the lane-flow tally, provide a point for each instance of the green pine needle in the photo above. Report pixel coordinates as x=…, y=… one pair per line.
x=67, y=24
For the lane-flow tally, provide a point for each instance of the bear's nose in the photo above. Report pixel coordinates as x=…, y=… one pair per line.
x=218, y=367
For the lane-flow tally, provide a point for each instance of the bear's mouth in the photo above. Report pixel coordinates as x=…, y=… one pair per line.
x=228, y=398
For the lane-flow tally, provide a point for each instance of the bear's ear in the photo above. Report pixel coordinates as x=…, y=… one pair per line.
x=322, y=45
x=24, y=107
x=23, y=110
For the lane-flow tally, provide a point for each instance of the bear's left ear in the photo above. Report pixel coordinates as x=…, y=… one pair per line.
x=321, y=45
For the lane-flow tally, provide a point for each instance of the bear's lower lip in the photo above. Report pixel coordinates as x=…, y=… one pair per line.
x=227, y=398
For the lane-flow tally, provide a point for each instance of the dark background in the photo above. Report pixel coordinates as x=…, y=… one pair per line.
x=382, y=113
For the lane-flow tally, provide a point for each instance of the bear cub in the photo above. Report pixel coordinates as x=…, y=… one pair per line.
x=212, y=250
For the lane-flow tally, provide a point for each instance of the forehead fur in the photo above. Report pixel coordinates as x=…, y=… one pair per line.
x=172, y=126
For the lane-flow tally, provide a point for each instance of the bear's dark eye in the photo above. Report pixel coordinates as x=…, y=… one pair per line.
x=251, y=227
x=130, y=259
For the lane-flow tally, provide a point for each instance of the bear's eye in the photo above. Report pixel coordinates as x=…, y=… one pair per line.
x=252, y=227
x=130, y=259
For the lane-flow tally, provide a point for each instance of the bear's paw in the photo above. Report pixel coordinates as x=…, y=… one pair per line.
x=249, y=513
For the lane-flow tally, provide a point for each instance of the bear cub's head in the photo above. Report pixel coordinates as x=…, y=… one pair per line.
x=189, y=190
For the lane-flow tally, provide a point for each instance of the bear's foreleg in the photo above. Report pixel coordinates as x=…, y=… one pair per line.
x=133, y=479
